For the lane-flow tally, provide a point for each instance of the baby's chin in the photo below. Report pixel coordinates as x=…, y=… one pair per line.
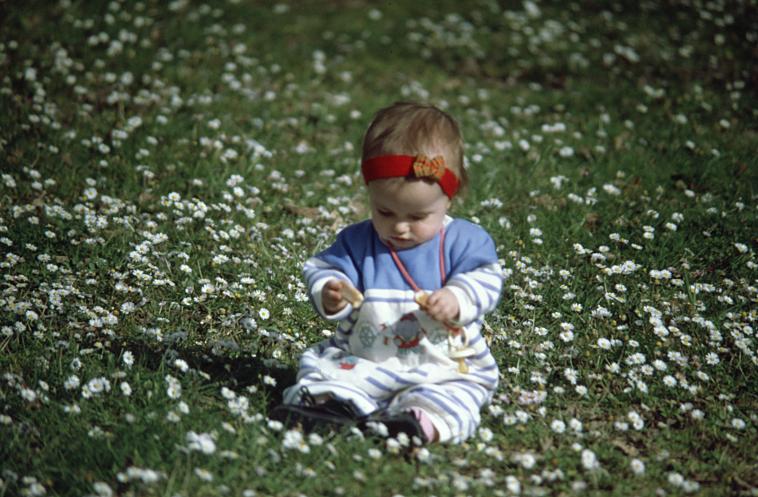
x=400, y=244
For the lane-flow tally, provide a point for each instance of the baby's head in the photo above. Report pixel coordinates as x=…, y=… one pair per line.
x=413, y=166
x=407, y=128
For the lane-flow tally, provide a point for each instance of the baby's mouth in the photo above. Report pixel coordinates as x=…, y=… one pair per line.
x=399, y=239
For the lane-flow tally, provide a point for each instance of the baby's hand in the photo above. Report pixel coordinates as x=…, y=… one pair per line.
x=442, y=306
x=331, y=296
x=336, y=294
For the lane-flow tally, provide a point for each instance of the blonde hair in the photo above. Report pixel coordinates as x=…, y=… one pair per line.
x=408, y=128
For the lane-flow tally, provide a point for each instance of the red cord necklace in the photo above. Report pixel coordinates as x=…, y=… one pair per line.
x=404, y=271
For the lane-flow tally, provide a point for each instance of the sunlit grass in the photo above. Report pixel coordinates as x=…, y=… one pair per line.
x=168, y=167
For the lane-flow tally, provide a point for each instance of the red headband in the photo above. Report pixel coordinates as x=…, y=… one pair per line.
x=420, y=166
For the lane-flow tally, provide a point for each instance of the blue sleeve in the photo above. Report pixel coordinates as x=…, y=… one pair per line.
x=348, y=251
x=469, y=247
x=475, y=278
x=340, y=261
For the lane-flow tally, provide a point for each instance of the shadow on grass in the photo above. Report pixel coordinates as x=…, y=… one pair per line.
x=222, y=367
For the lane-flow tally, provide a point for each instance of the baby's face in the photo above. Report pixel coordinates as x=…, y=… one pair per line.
x=406, y=213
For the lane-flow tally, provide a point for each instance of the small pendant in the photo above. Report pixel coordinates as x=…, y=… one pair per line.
x=459, y=355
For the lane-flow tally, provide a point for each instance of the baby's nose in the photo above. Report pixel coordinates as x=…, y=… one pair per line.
x=401, y=227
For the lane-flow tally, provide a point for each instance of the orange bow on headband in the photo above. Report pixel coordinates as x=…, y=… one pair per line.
x=420, y=166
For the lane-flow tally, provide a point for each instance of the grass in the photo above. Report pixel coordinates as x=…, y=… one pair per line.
x=135, y=260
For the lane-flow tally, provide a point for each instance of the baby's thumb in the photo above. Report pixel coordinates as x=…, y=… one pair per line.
x=433, y=298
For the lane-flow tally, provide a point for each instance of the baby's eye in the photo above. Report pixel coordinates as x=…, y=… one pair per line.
x=419, y=217
x=383, y=213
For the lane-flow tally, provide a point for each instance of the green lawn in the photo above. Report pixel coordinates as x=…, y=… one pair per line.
x=167, y=167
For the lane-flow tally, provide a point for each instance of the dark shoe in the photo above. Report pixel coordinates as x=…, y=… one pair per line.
x=332, y=415
x=396, y=423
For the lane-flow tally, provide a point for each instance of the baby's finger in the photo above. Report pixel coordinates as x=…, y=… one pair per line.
x=433, y=300
x=441, y=303
x=436, y=312
x=432, y=306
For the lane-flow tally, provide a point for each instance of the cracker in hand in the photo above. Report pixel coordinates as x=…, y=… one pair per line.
x=352, y=295
x=421, y=299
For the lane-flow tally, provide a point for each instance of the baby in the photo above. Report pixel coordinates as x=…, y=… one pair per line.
x=409, y=289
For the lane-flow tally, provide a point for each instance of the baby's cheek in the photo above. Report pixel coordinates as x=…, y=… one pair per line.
x=428, y=231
